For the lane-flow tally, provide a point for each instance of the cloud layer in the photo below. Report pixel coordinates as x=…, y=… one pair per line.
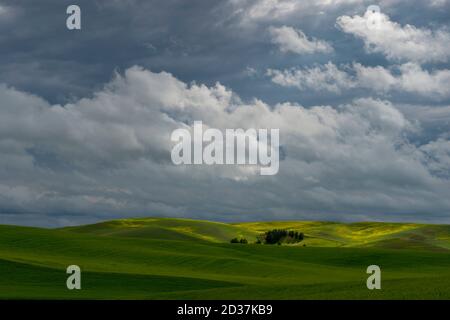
x=364, y=115
x=110, y=154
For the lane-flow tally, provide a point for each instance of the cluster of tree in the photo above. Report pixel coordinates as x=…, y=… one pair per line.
x=236, y=240
x=275, y=236
x=279, y=236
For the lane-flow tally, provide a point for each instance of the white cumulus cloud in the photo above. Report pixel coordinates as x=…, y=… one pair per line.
x=395, y=41
x=408, y=77
x=293, y=40
x=327, y=77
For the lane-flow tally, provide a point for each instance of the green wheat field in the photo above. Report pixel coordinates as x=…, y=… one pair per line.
x=162, y=258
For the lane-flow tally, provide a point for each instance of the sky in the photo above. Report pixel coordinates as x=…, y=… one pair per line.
x=86, y=115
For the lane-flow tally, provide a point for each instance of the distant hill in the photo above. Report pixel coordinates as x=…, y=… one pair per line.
x=362, y=234
x=317, y=234
x=168, y=229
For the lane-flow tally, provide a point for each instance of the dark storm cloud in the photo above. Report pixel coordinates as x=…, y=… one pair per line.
x=187, y=39
x=204, y=41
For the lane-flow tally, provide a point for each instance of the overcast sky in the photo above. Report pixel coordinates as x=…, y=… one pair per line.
x=86, y=115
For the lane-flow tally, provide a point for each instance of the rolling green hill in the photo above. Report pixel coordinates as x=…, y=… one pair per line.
x=363, y=234
x=159, y=258
x=318, y=234
x=168, y=229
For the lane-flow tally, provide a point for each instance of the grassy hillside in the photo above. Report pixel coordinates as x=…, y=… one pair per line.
x=168, y=229
x=318, y=234
x=178, y=258
x=363, y=234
